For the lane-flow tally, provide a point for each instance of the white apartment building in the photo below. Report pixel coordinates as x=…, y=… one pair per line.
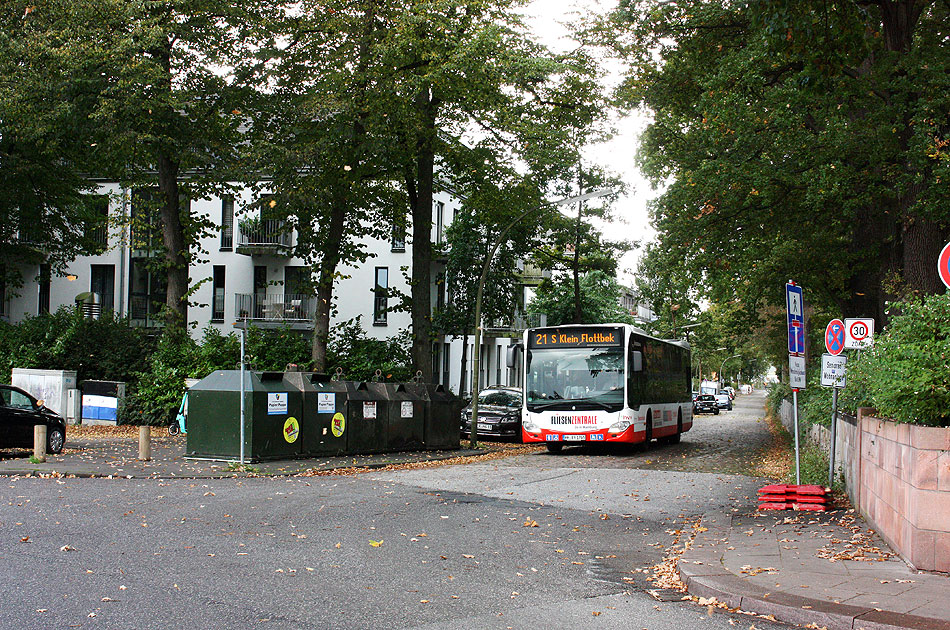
x=249, y=278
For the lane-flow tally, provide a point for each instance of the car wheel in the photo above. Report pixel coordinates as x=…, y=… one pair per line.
x=729, y=407
x=716, y=411
x=555, y=447
x=55, y=439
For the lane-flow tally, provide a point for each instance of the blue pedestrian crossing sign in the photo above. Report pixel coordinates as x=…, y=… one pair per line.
x=795, y=306
x=834, y=337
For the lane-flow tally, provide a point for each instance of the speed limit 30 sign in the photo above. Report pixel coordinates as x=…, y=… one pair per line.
x=858, y=333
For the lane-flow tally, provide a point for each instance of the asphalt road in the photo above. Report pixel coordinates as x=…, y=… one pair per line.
x=436, y=548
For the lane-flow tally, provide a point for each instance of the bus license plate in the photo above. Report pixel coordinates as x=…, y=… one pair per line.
x=575, y=438
x=483, y=427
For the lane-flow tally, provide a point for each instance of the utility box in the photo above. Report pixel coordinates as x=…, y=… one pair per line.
x=101, y=401
x=50, y=386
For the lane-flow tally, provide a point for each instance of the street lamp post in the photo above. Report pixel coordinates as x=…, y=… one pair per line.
x=723, y=364
x=476, y=359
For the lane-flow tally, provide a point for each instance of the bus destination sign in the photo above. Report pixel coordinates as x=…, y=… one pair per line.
x=575, y=337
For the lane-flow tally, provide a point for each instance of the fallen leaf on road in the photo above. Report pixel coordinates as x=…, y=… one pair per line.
x=375, y=543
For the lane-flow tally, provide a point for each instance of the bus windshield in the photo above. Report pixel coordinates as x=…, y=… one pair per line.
x=584, y=378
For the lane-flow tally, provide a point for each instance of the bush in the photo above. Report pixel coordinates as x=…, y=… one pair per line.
x=360, y=356
x=905, y=375
x=777, y=393
x=105, y=349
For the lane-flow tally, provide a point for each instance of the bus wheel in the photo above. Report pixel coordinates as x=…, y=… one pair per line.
x=555, y=447
x=649, y=437
x=675, y=439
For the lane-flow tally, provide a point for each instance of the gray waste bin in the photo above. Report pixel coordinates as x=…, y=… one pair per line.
x=407, y=412
x=367, y=418
x=323, y=426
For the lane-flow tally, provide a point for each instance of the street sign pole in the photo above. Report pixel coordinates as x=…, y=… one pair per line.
x=798, y=467
x=834, y=431
x=795, y=307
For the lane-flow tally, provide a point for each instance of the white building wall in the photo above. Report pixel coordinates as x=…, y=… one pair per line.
x=354, y=293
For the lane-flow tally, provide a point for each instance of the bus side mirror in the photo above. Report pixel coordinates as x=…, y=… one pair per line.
x=511, y=356
x=636, y=361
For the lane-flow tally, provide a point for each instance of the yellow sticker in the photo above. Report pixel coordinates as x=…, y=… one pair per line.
x=339, y=424
x=291, y=430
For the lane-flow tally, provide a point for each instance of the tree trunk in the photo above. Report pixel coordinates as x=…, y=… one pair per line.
x=176, y=250
x=330, y=260
x=426, y=107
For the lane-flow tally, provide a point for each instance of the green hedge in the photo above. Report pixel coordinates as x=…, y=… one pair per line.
x=155, y=367
x=905, y=376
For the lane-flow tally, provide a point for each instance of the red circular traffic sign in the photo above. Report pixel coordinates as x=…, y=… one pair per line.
x=859, y=331
x=943, y=265
x=834, y=337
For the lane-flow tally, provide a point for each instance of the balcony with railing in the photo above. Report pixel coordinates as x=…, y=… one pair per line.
x=272, y=237
x=267, y=310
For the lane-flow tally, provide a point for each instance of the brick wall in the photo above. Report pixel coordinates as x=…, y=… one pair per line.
x=904, y=488
x=898, y=476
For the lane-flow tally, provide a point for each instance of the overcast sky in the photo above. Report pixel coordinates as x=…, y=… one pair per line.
x=546, y=18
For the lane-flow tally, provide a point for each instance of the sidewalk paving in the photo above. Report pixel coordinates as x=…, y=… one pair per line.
x=826, y=569
x=118, y=457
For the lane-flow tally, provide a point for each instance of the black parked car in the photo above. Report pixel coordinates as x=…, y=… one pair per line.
x=19, y=412
x=499, y=413
x=705, y=403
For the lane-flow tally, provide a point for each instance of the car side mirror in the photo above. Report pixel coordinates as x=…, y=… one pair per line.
x=636, y=361
x=40, y=403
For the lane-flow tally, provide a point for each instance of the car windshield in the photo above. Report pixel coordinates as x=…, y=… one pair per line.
x=592, y=375
x=500, y=398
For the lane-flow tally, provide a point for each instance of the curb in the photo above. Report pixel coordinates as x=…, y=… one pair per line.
x=701, y=570
x=64, y=470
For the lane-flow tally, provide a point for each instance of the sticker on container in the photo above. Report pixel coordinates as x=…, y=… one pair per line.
x=406, y=409
x=276, y=403
x=326, y=402
x=339, y=425
x=291, y=430
x=369, y=410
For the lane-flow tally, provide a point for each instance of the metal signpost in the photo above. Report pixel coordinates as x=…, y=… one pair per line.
x=833, y=374
x=795, y=306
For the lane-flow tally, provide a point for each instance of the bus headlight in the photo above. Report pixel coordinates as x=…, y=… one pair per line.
x=530, y=427
x=619, y=427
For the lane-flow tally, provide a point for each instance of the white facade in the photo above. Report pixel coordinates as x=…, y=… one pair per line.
x=251, y=280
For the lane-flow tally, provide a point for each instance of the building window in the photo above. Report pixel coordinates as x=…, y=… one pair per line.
x=147, y=290
x=399, y=235
x=446, y=364
x=45, y=276
x=102, y=283
x=498, y=365
x=436, y=365
x=217, y=281
x=440, y=292
x=439, y=222
x=381, y=296
x=97, y=227
x=227, y=223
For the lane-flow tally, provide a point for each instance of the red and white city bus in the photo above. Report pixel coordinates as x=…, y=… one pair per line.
x=604, y=383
